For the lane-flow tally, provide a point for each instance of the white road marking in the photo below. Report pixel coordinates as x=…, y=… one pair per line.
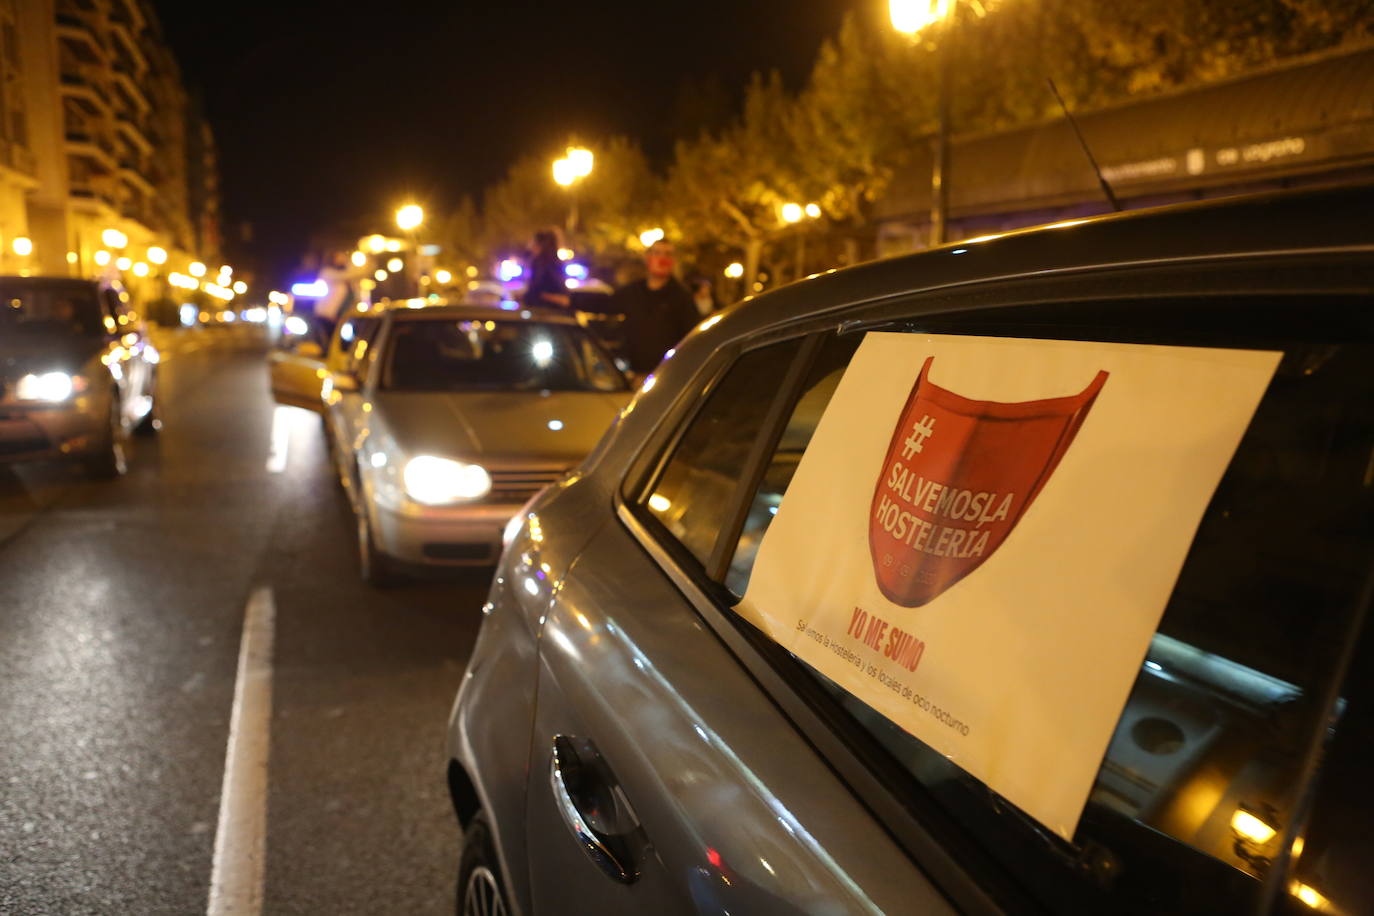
x=281, y=439
x=237, y=873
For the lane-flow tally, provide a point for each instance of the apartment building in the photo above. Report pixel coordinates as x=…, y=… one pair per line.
x=103, y=154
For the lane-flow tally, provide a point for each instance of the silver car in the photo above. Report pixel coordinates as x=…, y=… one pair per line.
x=444, y=419
x=77, y=373
x=625, y=741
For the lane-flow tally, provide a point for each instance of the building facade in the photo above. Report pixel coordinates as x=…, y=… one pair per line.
x=103, y=156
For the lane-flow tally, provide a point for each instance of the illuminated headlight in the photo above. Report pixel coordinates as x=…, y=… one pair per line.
x=437, y=481
x=50, y=386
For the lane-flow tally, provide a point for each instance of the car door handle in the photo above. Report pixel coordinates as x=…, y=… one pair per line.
x=594, y=808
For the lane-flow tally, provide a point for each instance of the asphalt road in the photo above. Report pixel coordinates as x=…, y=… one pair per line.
x=121, y=610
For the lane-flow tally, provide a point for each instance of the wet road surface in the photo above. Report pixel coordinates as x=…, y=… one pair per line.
x=121, y=610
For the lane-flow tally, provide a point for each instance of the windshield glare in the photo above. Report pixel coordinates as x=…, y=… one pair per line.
x=477, y=355
x=50, y=308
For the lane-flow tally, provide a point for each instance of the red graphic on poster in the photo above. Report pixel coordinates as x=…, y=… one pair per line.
x=959, y=475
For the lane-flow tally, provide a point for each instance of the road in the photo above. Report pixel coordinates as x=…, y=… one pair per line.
x=121, y=610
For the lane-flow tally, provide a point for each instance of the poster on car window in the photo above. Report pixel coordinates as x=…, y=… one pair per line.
x=983, y=533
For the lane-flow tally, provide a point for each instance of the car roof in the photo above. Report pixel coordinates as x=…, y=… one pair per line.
x=1308, y=221
x=461, y=310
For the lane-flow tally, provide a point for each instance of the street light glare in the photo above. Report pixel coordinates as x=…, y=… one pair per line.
x=22, y=246
x=649, y=236
x=563, y=173
x=114, y=238
x=376, y=244
x=394, y=265
x=196, y=269
x=157, y=255
x=359, y=259
x=734, y=270
x=580, y=160
x=410, y=217
x=442, y=276
x=813, y=211
x=911, y=16
x=791, y=213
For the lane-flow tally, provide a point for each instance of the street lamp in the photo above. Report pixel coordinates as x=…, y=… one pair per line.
x=410, y=217
x=910, y=17
x=649, y=236
x=793, y=213
x=575, y=165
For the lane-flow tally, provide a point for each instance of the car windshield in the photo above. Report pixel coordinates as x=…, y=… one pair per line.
x=492, y=355
x=49, y=308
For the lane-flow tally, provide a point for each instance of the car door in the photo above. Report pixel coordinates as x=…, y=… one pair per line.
x=346, y=405
x=297, y=374
x=1201, y=802
x=662, y=779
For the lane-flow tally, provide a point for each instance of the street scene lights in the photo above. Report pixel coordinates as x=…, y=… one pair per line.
x=575, y=165
x=410, y=217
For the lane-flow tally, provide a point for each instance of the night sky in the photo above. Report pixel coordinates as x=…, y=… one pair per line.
x=328, y=115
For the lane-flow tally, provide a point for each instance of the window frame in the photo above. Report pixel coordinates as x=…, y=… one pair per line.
x=948, y=853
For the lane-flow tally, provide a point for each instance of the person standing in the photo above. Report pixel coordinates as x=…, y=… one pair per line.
x=338, y=278
x=547, y=286
x=658, y=310
x=704, y=296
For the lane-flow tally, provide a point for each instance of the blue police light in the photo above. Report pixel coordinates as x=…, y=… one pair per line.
x=575, y=270
x=510, y=269
x=316, y=289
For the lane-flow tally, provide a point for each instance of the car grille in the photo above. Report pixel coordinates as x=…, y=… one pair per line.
x=517, y=486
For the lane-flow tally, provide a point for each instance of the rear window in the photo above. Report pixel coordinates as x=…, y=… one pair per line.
x=1201, y=789
x=492, y=355
x=50, y=308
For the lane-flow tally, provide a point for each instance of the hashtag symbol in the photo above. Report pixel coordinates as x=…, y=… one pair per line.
x=920, y=432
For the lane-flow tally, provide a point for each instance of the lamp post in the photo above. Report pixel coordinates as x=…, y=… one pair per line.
x=575, y=165
x=910, y=17
x=409, y=219
x=793, y=213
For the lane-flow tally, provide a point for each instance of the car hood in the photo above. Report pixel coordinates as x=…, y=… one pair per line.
x=21, y=354
x=500, y=428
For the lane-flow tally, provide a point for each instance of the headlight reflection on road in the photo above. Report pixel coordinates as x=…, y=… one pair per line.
x=287, y=422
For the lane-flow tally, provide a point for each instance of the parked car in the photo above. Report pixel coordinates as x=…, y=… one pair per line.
x=444, y=419
x=77, y=373
x=631, y=736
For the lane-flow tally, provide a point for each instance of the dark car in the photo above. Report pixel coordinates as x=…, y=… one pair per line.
x=77, y=373
x=1027, y=574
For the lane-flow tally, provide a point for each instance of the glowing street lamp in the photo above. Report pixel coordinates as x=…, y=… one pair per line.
x=240, y=287
x=395, y=265
x=575, y=165
x=649, y=236
x=410, y=217
x=376, y=244
x=563, y=172
x=791, y=213
x=581, y=160
x=196, y=269
x=102, y=258
x=113, y=238
x=22, y=246
x=442, y=276
x=734, y=270
x=359, y=259
x=813, y=211
x=140, y=269
x=157, y=255
x=911, y=17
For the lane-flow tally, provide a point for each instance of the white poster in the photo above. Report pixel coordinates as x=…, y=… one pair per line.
x=983, y=533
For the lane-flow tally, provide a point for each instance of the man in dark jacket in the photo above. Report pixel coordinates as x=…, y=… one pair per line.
x=658, y=310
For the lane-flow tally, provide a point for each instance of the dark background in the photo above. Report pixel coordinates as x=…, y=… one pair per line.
x=330, y=114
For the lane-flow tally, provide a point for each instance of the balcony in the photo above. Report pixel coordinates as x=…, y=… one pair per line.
x=86, y=146
x=129, y=87
x=79, y=83
x=132, y=131
x=16, y=158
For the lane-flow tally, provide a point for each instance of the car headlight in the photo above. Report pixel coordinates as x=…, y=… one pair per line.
x=49, y=386
x=437, y=481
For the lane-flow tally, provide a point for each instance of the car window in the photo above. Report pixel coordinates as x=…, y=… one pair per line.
x=352, y=341
x=692, y=495
x=490, y=355
x=50, y=308
x=1202, y=776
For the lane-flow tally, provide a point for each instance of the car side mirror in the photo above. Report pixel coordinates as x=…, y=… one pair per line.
x=309, y=349
x=345, y=381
